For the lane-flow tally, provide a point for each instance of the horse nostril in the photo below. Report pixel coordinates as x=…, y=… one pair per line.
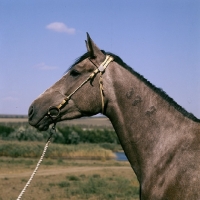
x=30, y=112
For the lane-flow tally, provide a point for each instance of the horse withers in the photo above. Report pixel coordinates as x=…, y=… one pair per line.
x=160, y=139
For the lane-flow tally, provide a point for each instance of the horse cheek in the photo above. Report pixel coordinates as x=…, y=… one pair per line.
x=89, y=102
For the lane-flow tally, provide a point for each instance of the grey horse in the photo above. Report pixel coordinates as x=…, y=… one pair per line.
x=160, y=139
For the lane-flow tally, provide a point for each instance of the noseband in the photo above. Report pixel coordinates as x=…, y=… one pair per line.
x=54, y=111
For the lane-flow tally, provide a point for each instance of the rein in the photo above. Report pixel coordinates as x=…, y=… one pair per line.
x=100, y=70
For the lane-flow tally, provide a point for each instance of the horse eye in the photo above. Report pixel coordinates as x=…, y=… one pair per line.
x=74, y=73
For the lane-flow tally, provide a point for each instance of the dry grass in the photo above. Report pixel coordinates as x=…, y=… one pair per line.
x=62, y=179
x=34, y=150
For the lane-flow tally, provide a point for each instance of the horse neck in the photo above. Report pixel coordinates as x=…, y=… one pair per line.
x=147, y=125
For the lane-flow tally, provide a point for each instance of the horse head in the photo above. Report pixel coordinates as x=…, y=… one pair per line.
x=78, y=93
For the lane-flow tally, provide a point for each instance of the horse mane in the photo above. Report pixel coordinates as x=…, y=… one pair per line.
x=159, y=91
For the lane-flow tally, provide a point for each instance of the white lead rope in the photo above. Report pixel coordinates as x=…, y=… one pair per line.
x=37, y=166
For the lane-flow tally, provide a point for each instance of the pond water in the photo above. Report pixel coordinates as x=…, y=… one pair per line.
x=120, y=156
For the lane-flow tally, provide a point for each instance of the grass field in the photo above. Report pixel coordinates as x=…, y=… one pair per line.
x=88, y=151
x=59, y=177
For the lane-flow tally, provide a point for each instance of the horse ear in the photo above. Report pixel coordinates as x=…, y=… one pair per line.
x=93, y=49
x=87, y=46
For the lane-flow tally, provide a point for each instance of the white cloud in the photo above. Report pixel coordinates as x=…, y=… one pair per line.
x=60, y=27
x=10, y=98
x=43, y=66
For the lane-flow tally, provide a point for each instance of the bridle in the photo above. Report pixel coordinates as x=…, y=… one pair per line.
x=54, y=111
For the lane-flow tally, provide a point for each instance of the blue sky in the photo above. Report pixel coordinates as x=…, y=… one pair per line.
x=39, y=40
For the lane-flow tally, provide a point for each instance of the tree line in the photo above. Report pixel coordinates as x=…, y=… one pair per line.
x=64, y=134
